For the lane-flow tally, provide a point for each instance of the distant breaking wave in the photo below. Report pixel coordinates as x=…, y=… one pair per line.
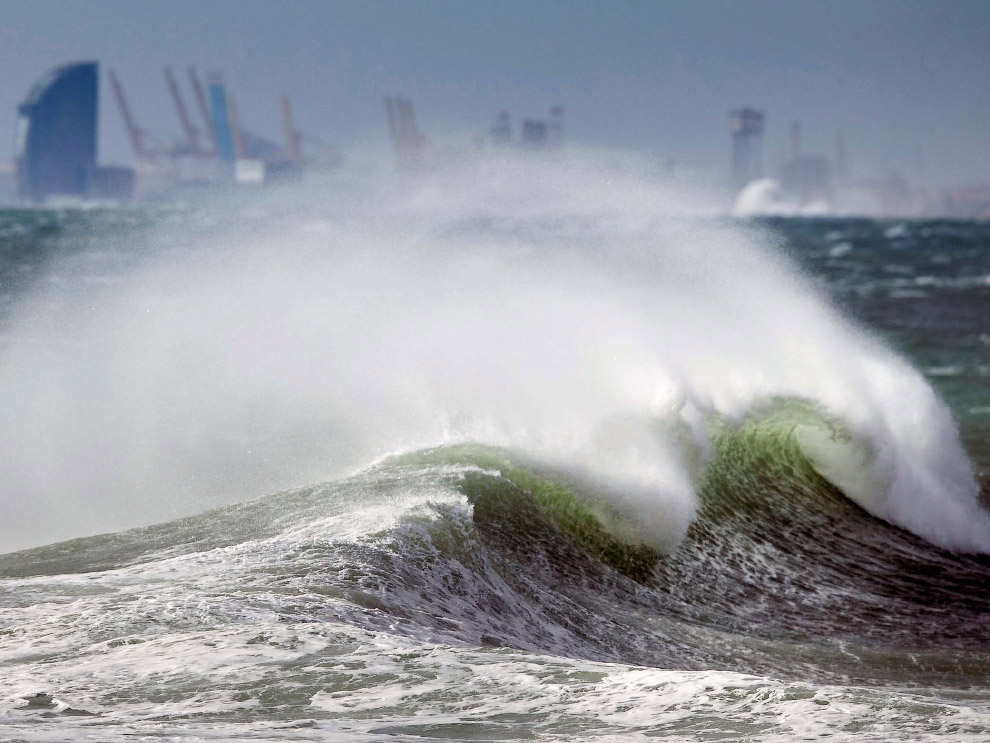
x=764, y=197
x=536, y=449
x=605, y=324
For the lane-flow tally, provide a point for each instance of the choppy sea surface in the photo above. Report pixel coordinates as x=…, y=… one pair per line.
x=465, y=469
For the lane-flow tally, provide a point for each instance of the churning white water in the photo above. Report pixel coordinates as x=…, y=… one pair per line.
x=580, y=309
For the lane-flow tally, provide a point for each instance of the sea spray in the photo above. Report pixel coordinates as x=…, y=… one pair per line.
x=425, y=594
x=528, y=304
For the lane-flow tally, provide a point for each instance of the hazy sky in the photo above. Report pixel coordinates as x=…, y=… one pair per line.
x=907, y=81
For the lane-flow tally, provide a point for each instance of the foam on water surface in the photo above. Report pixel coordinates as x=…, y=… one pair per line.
x=215, y=363
x=655, y=531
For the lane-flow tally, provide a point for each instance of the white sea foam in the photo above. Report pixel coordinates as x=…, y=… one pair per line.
x=345, y=685
x=765, y=197
x=532, y=304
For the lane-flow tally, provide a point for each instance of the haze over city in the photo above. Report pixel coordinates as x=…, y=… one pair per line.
x=902, y=80
x=518, y=370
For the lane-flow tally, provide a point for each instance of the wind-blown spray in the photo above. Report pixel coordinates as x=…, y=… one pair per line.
x=581, y=311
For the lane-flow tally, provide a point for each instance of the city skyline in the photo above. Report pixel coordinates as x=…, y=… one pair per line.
x=898, y=79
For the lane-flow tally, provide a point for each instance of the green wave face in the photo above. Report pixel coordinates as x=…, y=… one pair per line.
x=583, y=515
x=764, y=456
x=757, y=476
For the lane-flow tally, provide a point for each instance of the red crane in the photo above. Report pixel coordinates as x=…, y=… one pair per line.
x=133, y=130
x=192, y=134
x=408, y=142
x=204, y=110
x=291, y=135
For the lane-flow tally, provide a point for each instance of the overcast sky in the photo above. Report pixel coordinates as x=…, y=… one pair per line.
x=906, y=81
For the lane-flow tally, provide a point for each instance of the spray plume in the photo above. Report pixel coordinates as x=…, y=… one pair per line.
x=581, y=310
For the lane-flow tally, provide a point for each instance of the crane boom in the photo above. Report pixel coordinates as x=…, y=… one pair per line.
x=180, y=106
x=204, y=110
x=235, y=127
x=393, y=128
x=133, y=131
x=291, y=137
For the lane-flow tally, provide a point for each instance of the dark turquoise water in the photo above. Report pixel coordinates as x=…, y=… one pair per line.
x=712, y=541
x=924, y=286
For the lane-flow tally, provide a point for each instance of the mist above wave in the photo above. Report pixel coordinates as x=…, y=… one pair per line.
x=581, y=309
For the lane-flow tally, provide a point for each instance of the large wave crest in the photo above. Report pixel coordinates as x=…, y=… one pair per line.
x=580, y=310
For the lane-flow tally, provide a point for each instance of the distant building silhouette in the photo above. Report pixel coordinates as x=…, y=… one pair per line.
x=57, y=134
x=501, y=133
x=807, y=178
x=533, y=134
x=747, y=146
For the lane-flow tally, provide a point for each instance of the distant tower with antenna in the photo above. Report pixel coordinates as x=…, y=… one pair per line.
x=747, y=145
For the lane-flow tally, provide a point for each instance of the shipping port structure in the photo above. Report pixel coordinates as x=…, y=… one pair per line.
x=56, y=152
x=415, y=154
x=810, y=184
x=58, y=134
x=57, y=141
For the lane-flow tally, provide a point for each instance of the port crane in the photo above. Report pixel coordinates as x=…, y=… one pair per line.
x=406, y=139
x=204, y=109
x=134, y=132
x=191, y=132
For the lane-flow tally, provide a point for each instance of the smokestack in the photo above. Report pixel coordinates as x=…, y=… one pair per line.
x=795, y=140
x=291, y=137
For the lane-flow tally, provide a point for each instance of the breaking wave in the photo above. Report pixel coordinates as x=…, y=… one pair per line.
x=578, y=311
x=532, y=448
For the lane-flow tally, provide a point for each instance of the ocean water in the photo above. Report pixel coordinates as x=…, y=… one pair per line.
x=536, y=452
